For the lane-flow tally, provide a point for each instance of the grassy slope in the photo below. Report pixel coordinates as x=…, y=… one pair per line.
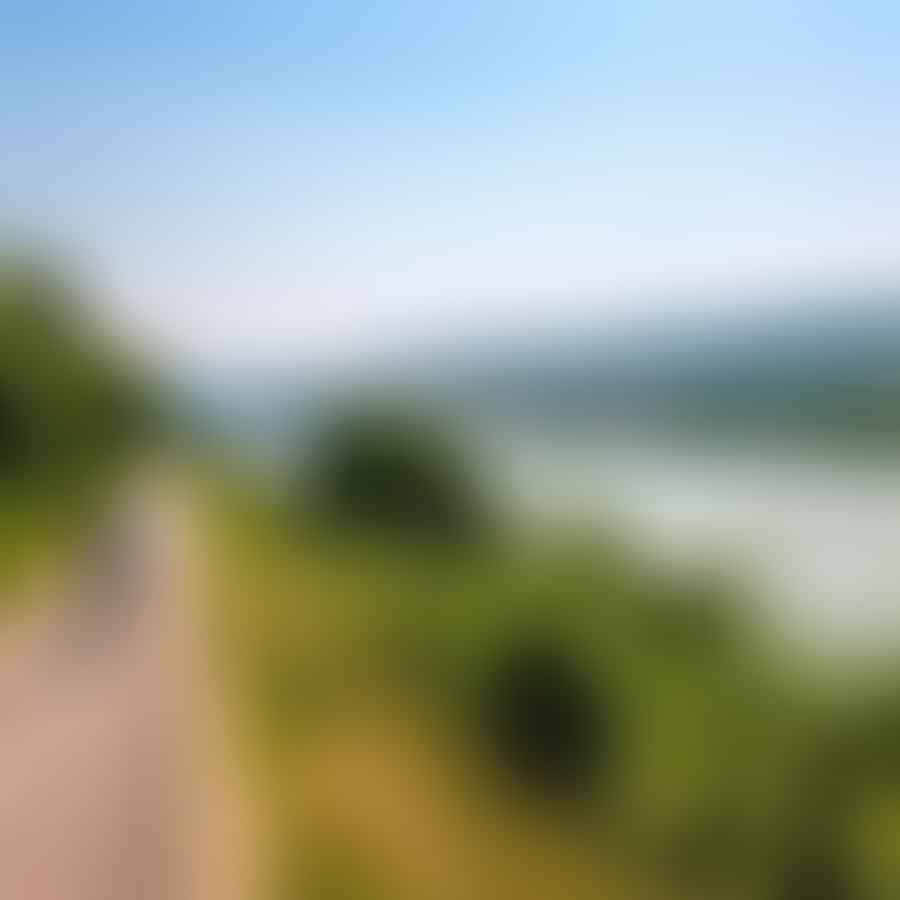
x=357, y=665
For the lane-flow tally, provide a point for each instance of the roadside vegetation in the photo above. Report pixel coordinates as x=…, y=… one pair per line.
x=543, y=718
x=72, y=405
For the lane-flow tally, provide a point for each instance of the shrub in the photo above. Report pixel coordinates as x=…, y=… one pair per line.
x=547, y=719
x=69, y=398
x=394, y=473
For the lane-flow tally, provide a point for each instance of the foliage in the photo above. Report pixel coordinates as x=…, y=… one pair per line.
x=550, y=721
x=72, y=405
x=69, y=401
x=394, y=473
x=654, y=702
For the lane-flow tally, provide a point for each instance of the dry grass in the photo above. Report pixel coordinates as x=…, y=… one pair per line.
x=369, y=795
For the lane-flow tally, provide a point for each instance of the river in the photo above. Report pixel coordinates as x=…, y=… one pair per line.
x=819, y=531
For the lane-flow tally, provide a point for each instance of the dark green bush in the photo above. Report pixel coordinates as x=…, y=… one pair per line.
x=814, y=873
x=396, y=474
x=548, y=719
x=16, y=438
x=70, y=401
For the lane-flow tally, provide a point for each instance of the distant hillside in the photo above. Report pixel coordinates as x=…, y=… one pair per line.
x=827, y=368
x=830, y=368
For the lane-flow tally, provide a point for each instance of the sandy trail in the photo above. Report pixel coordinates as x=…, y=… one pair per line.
x=105, y=729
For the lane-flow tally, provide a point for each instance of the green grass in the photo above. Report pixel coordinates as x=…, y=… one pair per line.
x=31, y=529
x=360, y=665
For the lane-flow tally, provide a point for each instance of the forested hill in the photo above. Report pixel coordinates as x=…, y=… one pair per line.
x=829, y=368
x=832, y=367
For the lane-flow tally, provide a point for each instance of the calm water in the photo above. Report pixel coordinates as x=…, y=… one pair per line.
x=820, y=533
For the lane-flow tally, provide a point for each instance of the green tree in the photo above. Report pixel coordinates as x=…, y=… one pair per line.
x=396, y=473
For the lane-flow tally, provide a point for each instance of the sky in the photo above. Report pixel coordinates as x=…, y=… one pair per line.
x=318, y=183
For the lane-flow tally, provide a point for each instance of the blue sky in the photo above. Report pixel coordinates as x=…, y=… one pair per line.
x=324, y=181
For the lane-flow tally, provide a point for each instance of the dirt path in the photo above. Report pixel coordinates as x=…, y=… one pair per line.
x=107, y=719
